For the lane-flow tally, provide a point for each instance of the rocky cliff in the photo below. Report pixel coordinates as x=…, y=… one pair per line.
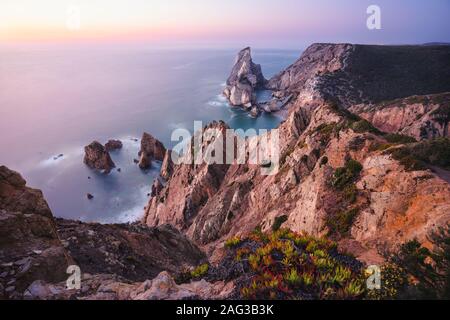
x=339, y=175
x=36, y=249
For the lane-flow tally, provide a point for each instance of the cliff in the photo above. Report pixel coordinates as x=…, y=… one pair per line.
x=36, y=249
x=391, y=198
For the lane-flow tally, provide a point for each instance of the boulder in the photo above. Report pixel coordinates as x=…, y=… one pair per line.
x=151, y=149
x=112, y=145
x=97, y=157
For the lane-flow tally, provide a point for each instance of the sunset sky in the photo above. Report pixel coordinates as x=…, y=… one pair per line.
x=224, y=23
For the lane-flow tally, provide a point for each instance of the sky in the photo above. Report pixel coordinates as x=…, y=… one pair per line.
x=225, y=23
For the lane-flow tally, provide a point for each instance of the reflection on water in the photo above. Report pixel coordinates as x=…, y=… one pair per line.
x=56, y=101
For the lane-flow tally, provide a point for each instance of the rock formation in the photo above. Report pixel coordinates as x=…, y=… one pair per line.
x=97, y=157
x=244, y=79
x=36, y=249
x=167, y=165
x=421, y=117
x=151, y=149
x=112, y=145
x=388, y=202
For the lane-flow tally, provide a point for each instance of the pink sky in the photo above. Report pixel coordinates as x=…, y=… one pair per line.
x=263, y=23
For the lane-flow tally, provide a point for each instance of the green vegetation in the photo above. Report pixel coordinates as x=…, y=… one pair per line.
x=416, y=156
x=396, y=138
x=287, y=265
x=343, y=176
x=362, y=126
x=424, y=273
x=233, y=242
x=200, y=271
x=278, y=222
x=340, y=223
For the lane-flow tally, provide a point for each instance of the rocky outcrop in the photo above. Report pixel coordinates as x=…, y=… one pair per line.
x=187, y=190
x=167, y=165
x=131, y=251
x=386, y=198
x=421, y=117
x=35, y=249
x=29, y=244
x=151, y=149
x=108, y=287
x=244, y=79
x=97, y=157
x=355, y=74
x=112, y=145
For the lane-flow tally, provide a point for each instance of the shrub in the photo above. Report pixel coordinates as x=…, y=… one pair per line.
x=429, y=268
x=362, y=126
x=233, y=242
x=341, y=223
x=200, y=271
x=346, y=175
x=396, y=138
x=278, y=222
x=288, y=265
x=393, y=281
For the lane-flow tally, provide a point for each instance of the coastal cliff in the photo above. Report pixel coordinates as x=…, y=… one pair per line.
x=364, y=161
x=387, y=202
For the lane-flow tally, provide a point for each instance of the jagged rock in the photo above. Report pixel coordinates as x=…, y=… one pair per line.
x=97, y=157
x=254, y=112
x=245, y=77
x=156, y=187
x=112, y=145
x=132, y=251
x=151, y=149
x=27, y=227
x=167, y=165
x=110, y=287
x=421, y=117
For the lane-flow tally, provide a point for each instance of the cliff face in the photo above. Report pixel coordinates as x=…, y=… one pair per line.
x=421, y=117
x=36, y=249
x=355, y=74
x=384, y=204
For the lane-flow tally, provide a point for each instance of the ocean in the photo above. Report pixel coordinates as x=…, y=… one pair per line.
x=55, y=101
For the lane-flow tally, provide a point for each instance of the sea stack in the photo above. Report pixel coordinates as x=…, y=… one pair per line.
x=245, y=78
x=151, y=149
x=97, y=157
x=112, y=145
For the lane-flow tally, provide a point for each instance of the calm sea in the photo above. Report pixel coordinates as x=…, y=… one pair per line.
x=57, y=101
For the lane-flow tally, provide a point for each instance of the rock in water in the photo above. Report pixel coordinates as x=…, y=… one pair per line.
x=245, y=77
x=167, y=166
x=151, y=149
x=112, y=145
x=97, y=157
